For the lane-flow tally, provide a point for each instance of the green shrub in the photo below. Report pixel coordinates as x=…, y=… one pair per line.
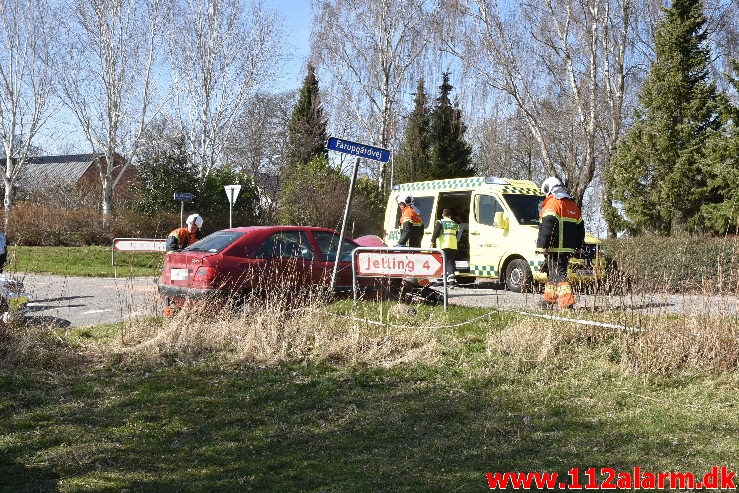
x=677, y=264
x=37, y=225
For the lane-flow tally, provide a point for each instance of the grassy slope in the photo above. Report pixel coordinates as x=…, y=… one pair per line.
x=74, y=417
x=78, y=425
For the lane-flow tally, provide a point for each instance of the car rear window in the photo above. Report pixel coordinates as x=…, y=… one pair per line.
x=286, y=244
x=328, y=243
x=215, y=242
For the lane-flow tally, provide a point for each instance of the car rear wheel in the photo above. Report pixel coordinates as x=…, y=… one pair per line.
x=518, y=276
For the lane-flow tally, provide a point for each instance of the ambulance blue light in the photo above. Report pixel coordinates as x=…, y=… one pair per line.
x=494, y=180
x=396, y=187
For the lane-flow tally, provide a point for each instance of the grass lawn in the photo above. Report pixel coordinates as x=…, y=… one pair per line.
x=93, y=261
x=77, y=416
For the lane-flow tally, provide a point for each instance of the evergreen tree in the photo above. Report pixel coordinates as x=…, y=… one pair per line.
x=657, y=172
x=212, y=203
x=160, y=174
x=721, y=213
x=307, y=128
x=414, y=155
x=450, y=154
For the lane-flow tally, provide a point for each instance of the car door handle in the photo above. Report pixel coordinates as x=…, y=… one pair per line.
x=474, y=233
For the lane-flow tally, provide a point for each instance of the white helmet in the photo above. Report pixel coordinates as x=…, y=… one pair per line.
x=550, y=184
x=195, y=219
x=405, y=199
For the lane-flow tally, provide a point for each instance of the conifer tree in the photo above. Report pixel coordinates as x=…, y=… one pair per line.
x=721, y=210
x=414, y=155
x=307, y=128
x=656, y=172
x=450, y=154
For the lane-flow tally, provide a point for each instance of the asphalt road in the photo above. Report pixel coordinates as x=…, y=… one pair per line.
x=61, y=301
x=492, y=295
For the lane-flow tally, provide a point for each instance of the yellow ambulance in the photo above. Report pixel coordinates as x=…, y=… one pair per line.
x=499, y=224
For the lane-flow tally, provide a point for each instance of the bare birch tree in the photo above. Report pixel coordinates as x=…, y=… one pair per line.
x=107, y=79
x=374, y=51
x=220, y=52
x=566, y=73
x=25, y=85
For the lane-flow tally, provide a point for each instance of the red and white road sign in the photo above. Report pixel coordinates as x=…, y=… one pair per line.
x=139, y=245
x=399, y=264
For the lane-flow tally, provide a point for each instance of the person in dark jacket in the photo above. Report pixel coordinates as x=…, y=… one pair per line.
x=182, y=237
x=561, y=233
x=411, y=223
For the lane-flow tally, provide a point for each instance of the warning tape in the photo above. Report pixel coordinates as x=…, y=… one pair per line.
x=622, y=328
x=373, y=322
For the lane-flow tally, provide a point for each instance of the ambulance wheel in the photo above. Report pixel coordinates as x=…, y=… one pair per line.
x=518, y=276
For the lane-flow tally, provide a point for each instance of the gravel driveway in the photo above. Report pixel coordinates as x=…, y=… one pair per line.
x=63, y=301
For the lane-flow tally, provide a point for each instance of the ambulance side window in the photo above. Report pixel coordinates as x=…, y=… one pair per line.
x=486, y=207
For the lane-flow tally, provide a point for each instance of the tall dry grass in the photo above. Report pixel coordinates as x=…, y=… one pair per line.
x=277, y=329
x=24, y=346
x=690, y=342
x=664, y=345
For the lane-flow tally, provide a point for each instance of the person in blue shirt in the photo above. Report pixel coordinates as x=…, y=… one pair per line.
x=3, y=251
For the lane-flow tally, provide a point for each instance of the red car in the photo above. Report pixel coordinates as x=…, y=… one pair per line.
x=255, y=259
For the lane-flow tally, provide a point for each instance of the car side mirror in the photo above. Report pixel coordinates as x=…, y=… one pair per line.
x=500, y=221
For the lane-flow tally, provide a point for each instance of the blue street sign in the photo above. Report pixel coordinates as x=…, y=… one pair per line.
x=361, y=150
x=183, y=197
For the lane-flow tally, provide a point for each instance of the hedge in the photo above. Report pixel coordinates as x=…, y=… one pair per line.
x=675, y=264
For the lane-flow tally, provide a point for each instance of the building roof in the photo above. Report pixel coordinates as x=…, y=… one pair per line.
x=45, y=171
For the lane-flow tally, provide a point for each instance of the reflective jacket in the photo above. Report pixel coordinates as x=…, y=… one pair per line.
x=411, y=227
x=445, y=230
x=180, y=238
x=562, y=229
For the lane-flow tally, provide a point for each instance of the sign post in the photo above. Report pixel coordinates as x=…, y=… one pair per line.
x=359, y=150
x=232, y=191
x=182, y=197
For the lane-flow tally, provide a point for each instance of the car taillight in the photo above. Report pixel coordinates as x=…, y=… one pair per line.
x=204, y=272
x=204, y=275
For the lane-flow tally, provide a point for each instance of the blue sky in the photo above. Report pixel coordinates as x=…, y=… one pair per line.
x=297, y=14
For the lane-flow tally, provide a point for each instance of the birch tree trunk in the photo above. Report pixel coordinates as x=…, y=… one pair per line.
x=108, y=80
x=565, y=72
x=25, y=86
x=375, y=51
x=220, y=52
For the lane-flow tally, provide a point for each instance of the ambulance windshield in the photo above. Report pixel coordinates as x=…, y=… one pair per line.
x=525, y=207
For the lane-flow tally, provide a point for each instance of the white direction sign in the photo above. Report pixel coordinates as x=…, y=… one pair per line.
x=399, y=264
x=139, y=245
x=232, y=191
